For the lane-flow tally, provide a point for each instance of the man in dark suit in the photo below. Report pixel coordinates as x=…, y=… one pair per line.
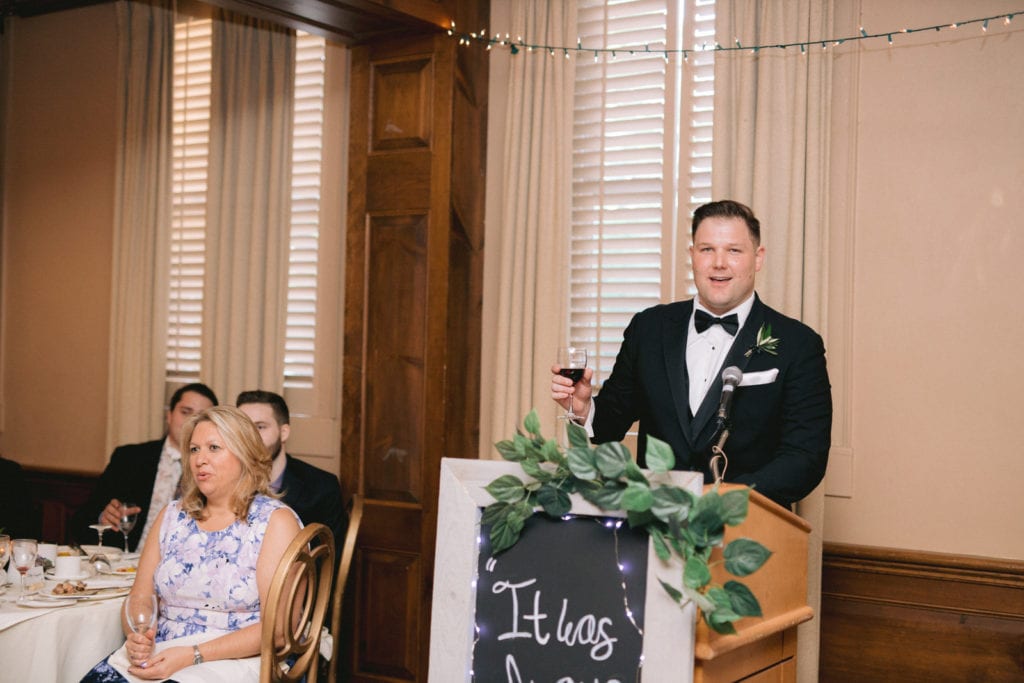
x=668, y=373
x=313, y=493
x=146, y=474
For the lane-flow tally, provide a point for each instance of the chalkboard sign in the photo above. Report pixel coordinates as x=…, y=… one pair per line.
x=577, y=585
x=565, y=603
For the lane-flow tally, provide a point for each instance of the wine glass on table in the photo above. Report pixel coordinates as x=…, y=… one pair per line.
x=5, y=552
x=23, y=555
x=571, y=361
x=100, y=528
x=140, y=612
x=127, y=523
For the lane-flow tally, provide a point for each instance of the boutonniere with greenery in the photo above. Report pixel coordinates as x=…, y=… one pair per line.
x=765, y=343
x=676, y=520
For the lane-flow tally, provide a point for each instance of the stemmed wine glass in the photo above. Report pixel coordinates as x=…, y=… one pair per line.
x=23, y=555
x=572, y=361
x=5, y=551
x=100, y=528
x=140, y=611
x=127, y=522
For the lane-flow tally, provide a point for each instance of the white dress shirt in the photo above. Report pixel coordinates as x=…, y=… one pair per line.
x=705, y=352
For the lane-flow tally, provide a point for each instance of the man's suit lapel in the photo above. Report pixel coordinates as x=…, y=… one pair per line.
x=677, y=326
x=744, y=340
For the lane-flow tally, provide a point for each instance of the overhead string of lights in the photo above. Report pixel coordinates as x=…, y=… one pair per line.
x=517, y=45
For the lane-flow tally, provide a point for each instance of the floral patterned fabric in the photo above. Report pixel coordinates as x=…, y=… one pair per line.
x=206, y=580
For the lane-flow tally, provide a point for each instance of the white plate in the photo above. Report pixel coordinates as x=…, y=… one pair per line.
x=87, y=594
x=37, y=602
x=110, y=551
x=51, y=577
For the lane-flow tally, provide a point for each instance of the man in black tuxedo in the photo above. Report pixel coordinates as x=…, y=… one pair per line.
x=668, y=373
x=146, y=474
x=313, y=493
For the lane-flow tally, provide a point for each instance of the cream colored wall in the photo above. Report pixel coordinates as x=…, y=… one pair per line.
x=59, y=170
x=928, y=194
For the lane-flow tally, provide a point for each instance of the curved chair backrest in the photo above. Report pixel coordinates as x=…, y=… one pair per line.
x=344, y=565
x=296, y=607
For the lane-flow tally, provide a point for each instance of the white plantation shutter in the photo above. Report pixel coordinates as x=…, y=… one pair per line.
x=641, y=162
x=191, y=148
x=192, y=79
x=307, y=163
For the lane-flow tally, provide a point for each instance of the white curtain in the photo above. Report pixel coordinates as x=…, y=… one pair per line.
x=525, y=292
x=248, y=205
x=135, y=395
x=771, y=151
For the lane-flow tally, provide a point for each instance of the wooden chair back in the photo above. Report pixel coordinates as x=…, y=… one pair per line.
x=296, y=608
x=344, y=565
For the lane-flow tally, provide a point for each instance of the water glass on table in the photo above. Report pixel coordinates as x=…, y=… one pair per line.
x=23, y=556
x=128, y=519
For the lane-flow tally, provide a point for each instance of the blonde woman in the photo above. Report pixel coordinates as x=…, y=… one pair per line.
x=211, y=563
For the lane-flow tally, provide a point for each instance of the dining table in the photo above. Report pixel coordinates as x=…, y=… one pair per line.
x=46, y=637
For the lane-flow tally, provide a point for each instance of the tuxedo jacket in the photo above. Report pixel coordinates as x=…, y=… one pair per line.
x=129, y=477
x=779, y=431
x=315, y=495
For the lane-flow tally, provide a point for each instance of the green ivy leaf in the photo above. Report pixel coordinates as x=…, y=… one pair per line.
x=634, y=473
x=533, y=468
x=673, y=593
x=696, y=573
x=659, y=455
x=532, y=423
x=611, y=458
x=607, y=497
x=706, y=526
x=661, y=548
x=581, y=463
x=745, y=556
x=554, y=500
x=742, y=600
x=703, y=604
x=508, y=450
x=720, y=621
x=671, y=503
x=507, y=488
x=734, y=506
x=577, y=436
x=493, y=513
x=551, y=453
x=505, y=530
x=637, y=497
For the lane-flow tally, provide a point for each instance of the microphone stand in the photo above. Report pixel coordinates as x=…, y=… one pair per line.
x=719, y=461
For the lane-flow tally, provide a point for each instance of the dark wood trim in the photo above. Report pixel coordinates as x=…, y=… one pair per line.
x=890, y=614
x=56, y=494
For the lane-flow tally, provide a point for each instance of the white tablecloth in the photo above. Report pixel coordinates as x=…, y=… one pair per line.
x=58, y=645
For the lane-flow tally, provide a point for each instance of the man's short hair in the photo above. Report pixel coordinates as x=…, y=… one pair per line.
x=195, y=388
x=727, y=208
x=270, y=398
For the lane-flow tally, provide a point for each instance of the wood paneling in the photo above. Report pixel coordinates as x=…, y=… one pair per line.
x=414, y=285
x=914, y=616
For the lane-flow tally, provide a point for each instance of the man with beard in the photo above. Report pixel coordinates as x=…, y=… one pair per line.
x=314, y=494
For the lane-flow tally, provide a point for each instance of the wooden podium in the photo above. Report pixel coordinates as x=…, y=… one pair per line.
x=764, y=648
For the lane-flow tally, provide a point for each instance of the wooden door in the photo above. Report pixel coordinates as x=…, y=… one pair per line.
x=412, y=328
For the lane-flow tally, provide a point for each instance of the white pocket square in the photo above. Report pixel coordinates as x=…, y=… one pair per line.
x=751, y=379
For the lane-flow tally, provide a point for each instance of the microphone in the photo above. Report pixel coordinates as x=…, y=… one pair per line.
x=731, y=378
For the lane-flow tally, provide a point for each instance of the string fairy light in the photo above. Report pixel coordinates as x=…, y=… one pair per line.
x=515, y=47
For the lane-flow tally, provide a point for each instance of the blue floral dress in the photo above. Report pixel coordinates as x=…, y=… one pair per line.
x=206, y=580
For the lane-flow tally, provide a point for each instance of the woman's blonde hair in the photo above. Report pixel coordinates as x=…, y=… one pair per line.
x=243, y=440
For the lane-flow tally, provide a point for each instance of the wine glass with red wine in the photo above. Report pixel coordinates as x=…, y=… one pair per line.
x=572, y=361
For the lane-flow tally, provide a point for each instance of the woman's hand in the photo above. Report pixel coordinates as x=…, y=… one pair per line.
x=163, y=664
x=139, y=647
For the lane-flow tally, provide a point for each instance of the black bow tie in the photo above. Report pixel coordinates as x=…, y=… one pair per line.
x=703, y=320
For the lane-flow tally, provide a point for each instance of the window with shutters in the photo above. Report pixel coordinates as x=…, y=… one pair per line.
x=192, y=79
x=312, y=344
x=641, y=161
